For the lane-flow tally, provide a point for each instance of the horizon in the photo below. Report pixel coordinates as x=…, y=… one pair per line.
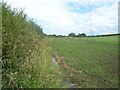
x=86, y=35
x=78, y=16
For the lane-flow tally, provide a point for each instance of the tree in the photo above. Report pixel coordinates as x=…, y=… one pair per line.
x=54, y=35
x=79, y=35
x=83, y=34
x=72, y=35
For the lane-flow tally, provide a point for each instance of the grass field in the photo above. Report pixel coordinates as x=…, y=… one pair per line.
x=27, y=53
x=95, y=57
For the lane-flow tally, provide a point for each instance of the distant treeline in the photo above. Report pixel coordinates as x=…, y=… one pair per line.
x=69, y=35
x=105, y=35
x=80, y=35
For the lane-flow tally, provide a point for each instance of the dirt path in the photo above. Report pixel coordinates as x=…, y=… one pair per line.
x=73, y=82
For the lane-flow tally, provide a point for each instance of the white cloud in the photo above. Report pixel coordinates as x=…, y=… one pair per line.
x=91, y=0
x=56, y=17
x=103, y=20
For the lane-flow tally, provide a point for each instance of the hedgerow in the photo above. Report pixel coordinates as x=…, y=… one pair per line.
x=26, y=55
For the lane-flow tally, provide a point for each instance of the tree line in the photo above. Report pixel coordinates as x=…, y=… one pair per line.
x=80, y=35
x=69, y=35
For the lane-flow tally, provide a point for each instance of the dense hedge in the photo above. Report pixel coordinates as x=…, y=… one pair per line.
x=25, y=53
x=0, y=45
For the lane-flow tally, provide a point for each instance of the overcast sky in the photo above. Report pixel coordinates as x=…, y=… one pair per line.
x=77, y=16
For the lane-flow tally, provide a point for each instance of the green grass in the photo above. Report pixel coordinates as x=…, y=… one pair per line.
x=27, y=56
x=96, y=57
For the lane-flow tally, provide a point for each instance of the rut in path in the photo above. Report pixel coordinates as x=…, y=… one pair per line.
x=72, y=73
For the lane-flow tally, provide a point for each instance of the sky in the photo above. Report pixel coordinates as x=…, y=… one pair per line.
x=61, y=17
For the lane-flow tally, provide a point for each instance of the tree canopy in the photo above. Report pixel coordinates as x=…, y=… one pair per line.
x=72, y=35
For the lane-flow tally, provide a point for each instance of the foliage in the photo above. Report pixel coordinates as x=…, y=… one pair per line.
x=81, y=35
x=0, y=44
x=26, y=55
x=72, y=35
x=52, y=35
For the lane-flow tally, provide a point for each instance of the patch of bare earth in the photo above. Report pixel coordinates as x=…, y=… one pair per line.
x=75, y=83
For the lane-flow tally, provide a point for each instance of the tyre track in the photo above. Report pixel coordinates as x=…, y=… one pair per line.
x=71, y=72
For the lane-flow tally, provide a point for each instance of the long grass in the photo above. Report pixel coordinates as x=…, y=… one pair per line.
x=26, y=53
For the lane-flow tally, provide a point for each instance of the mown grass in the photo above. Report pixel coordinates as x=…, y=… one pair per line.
x=95, y=57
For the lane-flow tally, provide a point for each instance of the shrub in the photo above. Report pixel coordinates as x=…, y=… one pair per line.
x=72, y=35
x=25, y=53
